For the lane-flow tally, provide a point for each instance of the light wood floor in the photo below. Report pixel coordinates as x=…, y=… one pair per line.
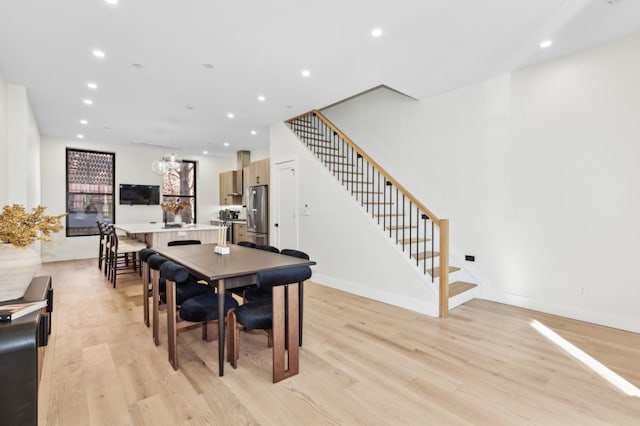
x=362, y=363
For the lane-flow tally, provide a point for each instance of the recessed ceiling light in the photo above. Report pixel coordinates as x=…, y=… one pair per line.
x=253, y=132
x=205, y=152
x=88, y=102
x=226, y=144
x=230, y=115
x=112, y=1
x=261, y=98
x=84, y=122
x=92, y=85
x=80, y=136
x=546, y=44
x=376, y=32
x=305, y=73
x=98, y=53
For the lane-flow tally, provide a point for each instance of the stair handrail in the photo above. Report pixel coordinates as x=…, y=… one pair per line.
x=377, y=166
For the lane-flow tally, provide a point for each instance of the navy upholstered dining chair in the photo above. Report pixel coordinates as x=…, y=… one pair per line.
x=262, y=314
x=247, y=244
x=147, y=293
x=155, y=262
x=187, y=308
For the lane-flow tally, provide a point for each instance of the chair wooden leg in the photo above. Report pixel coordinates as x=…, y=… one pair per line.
x=172, y=332
x=210, y=331
x=145, y=293
x=233, y=340
x=155, y=305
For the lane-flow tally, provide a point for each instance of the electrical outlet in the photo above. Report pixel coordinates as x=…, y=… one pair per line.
x=469, y=258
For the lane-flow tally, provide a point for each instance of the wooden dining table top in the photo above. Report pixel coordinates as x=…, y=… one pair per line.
x=201, y=260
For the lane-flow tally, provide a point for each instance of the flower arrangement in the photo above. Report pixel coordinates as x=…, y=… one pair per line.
x=174, y=206
x=20, y=228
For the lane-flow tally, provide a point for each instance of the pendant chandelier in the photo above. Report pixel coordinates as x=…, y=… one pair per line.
x=168, y=162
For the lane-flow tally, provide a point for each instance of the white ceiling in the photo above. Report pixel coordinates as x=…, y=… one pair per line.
x=259, y=47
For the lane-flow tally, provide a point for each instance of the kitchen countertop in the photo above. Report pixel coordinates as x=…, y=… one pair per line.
x=146, y=228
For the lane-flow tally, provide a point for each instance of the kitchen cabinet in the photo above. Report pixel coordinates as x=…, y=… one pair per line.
x=258, y=173
x=239, y=232
x=230, y=188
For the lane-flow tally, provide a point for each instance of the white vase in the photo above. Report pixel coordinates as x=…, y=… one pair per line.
x=18, y=265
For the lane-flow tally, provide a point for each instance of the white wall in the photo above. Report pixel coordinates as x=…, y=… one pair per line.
x=22, y=150
x=352, y=253
x=4, y=143
x=537, y=172
x=133, y=165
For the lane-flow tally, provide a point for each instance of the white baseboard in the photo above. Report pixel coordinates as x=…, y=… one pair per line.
x=429, y=308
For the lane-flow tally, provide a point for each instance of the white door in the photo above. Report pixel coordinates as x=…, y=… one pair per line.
x=286, y=202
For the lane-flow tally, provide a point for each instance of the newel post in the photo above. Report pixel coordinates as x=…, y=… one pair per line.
x=444, y=268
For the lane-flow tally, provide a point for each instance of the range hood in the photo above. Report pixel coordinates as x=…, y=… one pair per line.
x=244, y=159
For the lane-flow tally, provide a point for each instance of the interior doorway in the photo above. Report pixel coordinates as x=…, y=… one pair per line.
x=286, y=202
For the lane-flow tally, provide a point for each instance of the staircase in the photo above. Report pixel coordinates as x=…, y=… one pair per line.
x=414, y=229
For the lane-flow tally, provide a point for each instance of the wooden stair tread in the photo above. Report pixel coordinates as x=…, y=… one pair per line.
x=399, y=227
x=347, y=172
x=329, y=154
x=338, y=163
x=435, y=272
x=314, y=138
x=311, y=130
x=329, y=147
x=425, y=255
x=357, y=182
x=458, y=287
x=414, y=240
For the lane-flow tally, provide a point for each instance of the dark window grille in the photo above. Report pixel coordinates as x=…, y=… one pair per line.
x=180, y=184
x=90, y=190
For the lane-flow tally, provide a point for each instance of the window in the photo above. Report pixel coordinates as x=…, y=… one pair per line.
x=90, y=186
x=180, y=184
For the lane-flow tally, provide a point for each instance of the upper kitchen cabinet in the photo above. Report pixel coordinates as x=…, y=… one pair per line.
x=257, y=173
x=230, y=188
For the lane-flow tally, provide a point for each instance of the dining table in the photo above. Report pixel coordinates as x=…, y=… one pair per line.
x=238, y=269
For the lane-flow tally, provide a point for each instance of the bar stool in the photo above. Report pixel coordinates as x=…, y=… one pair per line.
x=122, y=255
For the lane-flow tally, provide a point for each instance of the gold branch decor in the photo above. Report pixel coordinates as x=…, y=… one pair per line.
x=174, y=206
x=21, y=229
x=19, y=262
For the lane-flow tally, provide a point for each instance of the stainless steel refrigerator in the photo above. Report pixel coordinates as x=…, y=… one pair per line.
x=258, y=214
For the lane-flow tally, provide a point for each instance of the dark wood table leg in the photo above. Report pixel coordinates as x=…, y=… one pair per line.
x=221, y=327
x=286, y=351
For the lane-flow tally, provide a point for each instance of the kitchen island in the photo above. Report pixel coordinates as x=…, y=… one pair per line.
x=157, y=235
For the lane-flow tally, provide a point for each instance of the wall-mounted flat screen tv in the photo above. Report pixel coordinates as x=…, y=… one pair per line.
x=139, y=194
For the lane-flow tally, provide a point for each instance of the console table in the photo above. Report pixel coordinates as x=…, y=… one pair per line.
x=22, y=344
